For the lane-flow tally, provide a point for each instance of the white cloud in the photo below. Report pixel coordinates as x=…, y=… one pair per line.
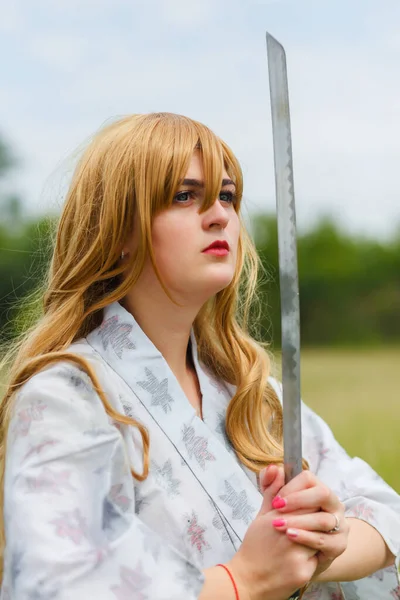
x=61, y=51
x=12, y=20
x=208, y=60
x=183, y=13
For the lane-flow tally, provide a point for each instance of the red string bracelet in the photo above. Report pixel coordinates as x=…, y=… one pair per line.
x=233, y=581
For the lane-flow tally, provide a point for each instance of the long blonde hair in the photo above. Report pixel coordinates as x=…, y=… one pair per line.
x=133, y=167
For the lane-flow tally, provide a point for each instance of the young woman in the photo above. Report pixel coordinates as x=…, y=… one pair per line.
x=141, y=431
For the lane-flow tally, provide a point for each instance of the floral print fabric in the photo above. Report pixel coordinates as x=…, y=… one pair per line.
x=78, y=525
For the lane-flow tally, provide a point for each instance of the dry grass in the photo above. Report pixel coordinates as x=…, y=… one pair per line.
x=357, y=392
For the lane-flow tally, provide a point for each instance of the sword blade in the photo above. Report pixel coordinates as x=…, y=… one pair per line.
x=288, y=272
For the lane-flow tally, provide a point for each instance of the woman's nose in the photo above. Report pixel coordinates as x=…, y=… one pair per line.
x=216, y=216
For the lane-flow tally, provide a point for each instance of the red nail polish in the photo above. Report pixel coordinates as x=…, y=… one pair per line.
x=279, y=522
x=278, y=502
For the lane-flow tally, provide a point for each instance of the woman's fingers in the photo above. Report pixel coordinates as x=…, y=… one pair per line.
x=303, y=480
x=328, y=544
x=319, y=521
x=306, y=512
x=272, y=480
x=267, y=476
x=315, y=532
x=317, y=497
x=305, y=493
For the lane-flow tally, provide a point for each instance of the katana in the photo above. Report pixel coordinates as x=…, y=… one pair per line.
x=287, y=242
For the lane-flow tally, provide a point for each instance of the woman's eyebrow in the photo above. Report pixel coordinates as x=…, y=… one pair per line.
x=200, y=184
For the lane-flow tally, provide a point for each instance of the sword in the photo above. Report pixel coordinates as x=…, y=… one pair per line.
x=288, y=273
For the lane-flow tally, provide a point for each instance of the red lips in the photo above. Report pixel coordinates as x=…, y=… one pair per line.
x=218, y=244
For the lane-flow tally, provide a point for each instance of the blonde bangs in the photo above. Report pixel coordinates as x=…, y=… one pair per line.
x=168, y=151
x=217, y=156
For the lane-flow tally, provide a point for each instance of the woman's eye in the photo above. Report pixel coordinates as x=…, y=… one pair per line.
x=227, y=197
x=182, y=197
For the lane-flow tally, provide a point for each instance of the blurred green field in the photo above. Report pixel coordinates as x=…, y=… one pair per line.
x=357, y=392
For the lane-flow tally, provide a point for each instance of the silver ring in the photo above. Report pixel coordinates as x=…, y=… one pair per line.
x=337, y=525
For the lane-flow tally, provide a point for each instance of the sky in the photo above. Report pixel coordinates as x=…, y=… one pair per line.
x=68, y=67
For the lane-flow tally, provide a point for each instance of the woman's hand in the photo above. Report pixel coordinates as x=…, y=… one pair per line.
x=268, y=563
x=321, y=512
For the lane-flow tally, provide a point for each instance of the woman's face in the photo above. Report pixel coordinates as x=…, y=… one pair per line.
x=181, y=236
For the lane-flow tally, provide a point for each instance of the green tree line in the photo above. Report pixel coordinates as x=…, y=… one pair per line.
x=349, y=286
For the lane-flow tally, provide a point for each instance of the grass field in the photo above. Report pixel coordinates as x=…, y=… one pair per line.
x=357, y=392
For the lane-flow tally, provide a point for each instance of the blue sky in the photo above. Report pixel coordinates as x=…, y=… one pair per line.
x=69, y=66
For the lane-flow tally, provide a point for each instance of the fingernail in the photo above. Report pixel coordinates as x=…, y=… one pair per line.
x=279, y=522
x=278, y=502
x=292, y=532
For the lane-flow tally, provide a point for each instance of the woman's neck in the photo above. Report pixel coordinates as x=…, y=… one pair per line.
x=168, y=327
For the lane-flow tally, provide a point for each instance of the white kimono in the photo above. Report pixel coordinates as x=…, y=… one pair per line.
x=78, y=526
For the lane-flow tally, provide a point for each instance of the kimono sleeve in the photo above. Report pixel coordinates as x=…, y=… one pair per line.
x=364, y=493
x=70, y=522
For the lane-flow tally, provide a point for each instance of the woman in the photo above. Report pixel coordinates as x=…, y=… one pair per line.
x=141, y=431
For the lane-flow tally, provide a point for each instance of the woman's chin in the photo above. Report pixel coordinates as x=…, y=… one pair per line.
x=217, y=284
x=205, y=285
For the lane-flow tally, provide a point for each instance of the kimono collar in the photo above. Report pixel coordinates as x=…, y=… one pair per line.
x=131, y=354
